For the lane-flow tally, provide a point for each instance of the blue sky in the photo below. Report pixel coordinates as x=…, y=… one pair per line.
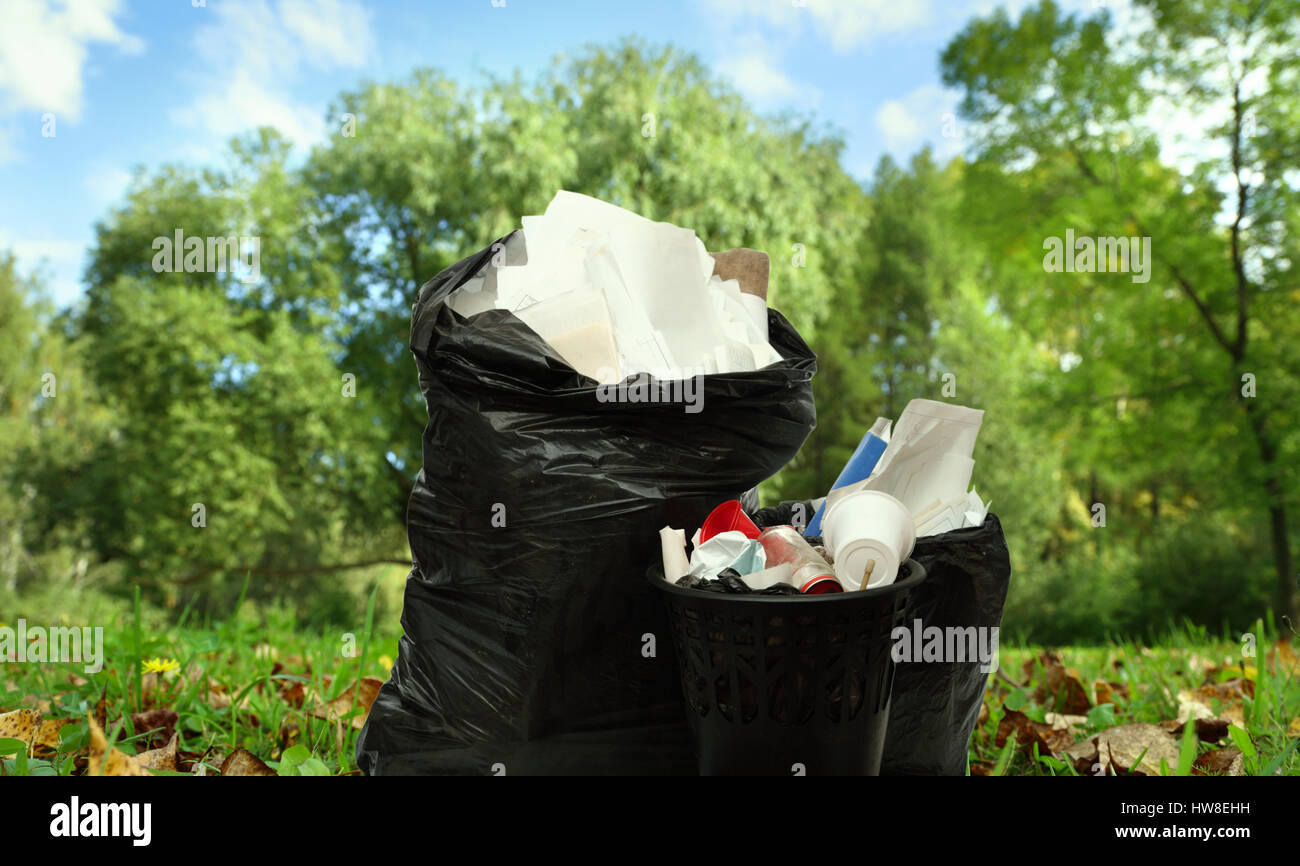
x=141, y=82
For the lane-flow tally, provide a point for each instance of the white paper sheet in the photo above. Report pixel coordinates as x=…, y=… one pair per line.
x=668, y=314
x=928, y=458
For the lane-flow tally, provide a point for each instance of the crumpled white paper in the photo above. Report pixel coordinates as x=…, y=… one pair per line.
x=616, y=295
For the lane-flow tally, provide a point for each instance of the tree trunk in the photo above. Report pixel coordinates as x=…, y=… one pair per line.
x=1284, y=596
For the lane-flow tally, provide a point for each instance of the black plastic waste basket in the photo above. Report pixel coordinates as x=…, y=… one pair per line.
x=788, y=685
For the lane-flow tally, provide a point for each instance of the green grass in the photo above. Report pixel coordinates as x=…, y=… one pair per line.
x=1154, y=675
x=254, y=656
x=260, y=657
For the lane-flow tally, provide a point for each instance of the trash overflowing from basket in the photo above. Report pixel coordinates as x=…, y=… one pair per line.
x=554, y=483
x=786, y=641
x=914, y=485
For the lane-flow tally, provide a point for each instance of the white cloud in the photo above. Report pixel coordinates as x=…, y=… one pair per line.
x=8, y=153
x=255, y=52
x=755, y=75
x=333, y=32
x=43, y=48
x=927, y=114
x=846, y=24
x=58, y=262
x=106, y=184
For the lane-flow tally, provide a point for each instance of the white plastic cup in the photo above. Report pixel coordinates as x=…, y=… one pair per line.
x=870, y=534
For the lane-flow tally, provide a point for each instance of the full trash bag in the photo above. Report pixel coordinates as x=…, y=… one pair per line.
x=935, y=705
x=533, y=642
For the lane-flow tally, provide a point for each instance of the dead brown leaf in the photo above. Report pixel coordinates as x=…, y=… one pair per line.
x=1198, y=703
x=1115, y=751
x=20, y=725
x=242, y=762
x=1283, y=657
x=47, y=736
x=1059, y=687
x=101, y=708
x=160, y=723
x=337, y=709
x=115, y=762
x=1106, y=692
x=41, y=705
x=164, y=758
x=1062, y=722
x=1050, y=740
x=1220, y=762
x=1208, y=730
x=220, y=700
x=294, y=694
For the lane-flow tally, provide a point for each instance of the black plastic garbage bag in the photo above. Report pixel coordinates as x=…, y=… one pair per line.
x=935, y=705
x=729, y=582
x=527, y=616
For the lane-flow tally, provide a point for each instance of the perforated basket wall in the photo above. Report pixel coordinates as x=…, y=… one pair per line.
x=781, y=685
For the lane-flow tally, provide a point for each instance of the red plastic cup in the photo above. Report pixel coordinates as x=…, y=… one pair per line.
x=727, y=517
x=821, y=584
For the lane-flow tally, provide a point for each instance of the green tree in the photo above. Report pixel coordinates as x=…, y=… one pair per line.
x=431, y=171
x=1067, y=113
x=241, y=442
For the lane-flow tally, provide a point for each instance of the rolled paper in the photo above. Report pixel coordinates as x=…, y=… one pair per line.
x=673, y=544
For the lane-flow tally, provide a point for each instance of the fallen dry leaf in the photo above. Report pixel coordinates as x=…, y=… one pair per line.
x=1050, y=740
x=115, y=763
x=981, y=768
x=1209, y=730
x=1061, y=722
x=20, y=725
x=41, y=705
x=1220, y=762
x=1106, y=692
x=220, y=700
x=1060, y=687
x=160, y=759
x=1283, y=657
x=294, y=694
x=242, y=762
x=47, y=735
x=1115, y=751
x=161, y=724
x=338, y=708
x=1197, y=703
x=101, y=708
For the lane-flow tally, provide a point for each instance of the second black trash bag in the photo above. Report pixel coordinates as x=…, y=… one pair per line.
x=936, y=704
x=527, y=616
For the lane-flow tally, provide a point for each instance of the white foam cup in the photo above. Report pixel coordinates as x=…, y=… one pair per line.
x=870, y=534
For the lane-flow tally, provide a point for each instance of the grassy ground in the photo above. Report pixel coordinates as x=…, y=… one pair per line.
x=1191, y=705
x=258, y=696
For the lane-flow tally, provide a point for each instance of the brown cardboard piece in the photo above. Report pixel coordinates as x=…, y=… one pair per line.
x=748, y=267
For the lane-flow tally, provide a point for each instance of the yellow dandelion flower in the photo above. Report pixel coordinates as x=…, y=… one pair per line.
x=160, y=665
